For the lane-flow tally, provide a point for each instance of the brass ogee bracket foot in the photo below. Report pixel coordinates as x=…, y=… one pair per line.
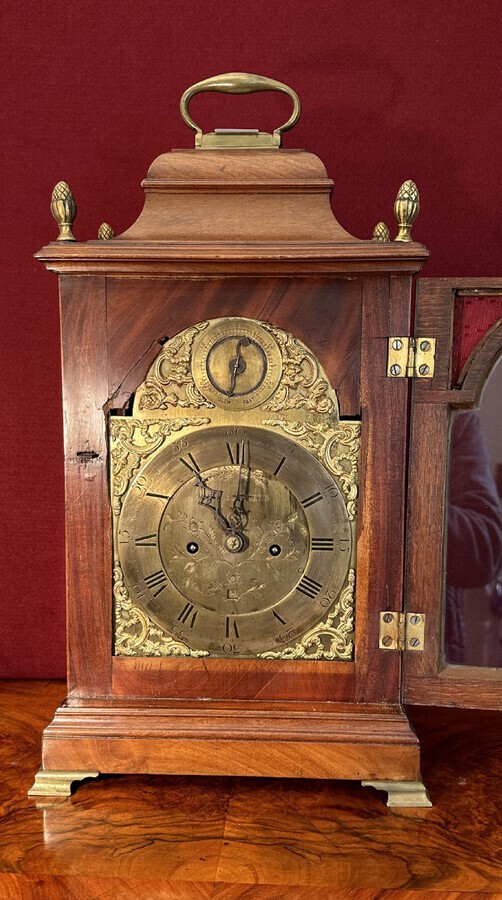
x=402, y=793
x=49, y=783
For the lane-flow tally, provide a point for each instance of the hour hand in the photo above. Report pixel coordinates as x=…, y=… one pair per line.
x=212, y=499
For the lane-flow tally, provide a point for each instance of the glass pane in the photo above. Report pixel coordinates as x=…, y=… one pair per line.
x=473, y=593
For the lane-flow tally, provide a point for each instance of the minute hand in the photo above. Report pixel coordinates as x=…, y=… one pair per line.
x=239, y=515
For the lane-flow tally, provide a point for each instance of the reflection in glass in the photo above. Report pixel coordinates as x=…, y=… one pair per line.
x=473, y=601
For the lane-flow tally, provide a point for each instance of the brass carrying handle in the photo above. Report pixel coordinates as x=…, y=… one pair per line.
x=239, y=83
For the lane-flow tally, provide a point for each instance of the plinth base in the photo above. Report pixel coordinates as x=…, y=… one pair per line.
x=374, y=743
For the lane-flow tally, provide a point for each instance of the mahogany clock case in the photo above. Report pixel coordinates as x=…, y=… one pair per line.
x=322, y=312
x=250, y=234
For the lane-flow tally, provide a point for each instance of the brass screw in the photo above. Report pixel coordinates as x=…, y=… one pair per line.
x=414, y=642
x=397, y=344
x=395, y=369
x=425, y=346
x=388, y=617
x=415, y=620
x=423, y=369
x=387, y=640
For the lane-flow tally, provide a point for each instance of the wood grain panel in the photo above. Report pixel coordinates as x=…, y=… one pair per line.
x=324, y=313
x=79, y=887
x=265, y=759
x=426, y=677
x=296, y=740
x=381, y=510
x=425, y=532
x=88, y=548
x=239, y=679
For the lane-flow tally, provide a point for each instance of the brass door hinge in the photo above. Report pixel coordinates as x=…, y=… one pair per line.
x=401, y=631
x=410, y=357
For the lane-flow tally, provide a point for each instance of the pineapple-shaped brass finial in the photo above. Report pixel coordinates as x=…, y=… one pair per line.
x=381, y=233
x=406, y=209
x=105, y=232
x=64, y=210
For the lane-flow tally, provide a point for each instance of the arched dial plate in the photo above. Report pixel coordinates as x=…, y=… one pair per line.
x=236, y=363
x=234, y=540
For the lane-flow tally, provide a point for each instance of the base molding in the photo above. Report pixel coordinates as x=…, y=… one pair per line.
x=275, y=740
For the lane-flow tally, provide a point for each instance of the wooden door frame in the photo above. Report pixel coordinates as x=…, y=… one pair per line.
x=427, y=678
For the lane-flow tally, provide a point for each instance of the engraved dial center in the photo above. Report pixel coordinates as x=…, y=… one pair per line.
x=235, y=570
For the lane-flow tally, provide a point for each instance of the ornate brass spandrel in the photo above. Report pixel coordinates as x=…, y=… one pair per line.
x=337, y=448
x=64, y=210
x=331, y=639
x=132, y=442
x=135, y=632
x=169, y=384
x=406, y=209
x=303, y=384
x=309, y=434
x=341, y=457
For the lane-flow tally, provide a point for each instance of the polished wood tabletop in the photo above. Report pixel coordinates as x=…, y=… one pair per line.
x=133, y=836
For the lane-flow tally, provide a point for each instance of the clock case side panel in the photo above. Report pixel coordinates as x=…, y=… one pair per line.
x=88, y=522
x=384, y=437
x=427, y=678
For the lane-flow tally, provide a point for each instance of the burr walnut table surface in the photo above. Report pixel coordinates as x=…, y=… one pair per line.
x=180, y=837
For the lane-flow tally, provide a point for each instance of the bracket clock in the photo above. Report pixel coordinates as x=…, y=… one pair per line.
x=236, y=448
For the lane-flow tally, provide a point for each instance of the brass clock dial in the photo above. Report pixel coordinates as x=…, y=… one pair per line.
x=236, y=363
x=234, y=540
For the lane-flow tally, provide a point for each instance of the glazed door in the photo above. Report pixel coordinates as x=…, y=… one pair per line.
x=454, y=525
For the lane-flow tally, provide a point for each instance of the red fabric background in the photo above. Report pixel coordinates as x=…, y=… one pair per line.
x=390, y=91
x=472, y=317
